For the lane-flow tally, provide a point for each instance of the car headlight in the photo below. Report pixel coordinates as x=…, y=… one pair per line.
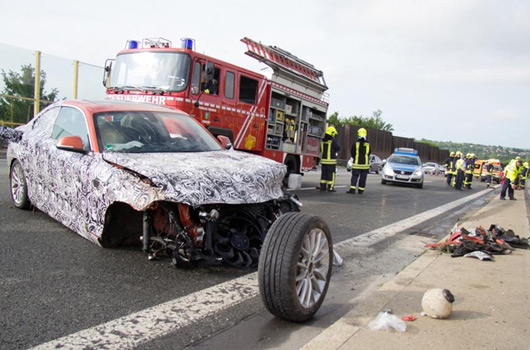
x=417, y=172
x=388, y=171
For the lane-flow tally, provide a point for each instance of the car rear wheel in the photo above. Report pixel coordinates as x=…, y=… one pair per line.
x=295, y=266
x=19, y=188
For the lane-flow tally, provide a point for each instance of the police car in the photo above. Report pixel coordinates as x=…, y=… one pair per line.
x=403, y=166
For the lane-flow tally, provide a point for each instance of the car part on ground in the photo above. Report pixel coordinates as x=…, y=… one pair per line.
x=295, y=268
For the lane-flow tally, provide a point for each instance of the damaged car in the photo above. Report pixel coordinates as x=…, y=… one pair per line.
x=119, y=172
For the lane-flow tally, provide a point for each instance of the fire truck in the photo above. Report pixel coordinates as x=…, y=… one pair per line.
x=281, y=117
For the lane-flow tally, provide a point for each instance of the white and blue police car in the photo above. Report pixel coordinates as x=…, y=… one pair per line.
x=403, y=166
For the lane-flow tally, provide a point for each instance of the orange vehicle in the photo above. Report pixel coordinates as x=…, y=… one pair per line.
x=496, y=174
x=479, y=163
x=282, y=117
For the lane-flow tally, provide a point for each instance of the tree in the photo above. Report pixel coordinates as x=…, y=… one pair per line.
x=22, y=85
x=373, y=122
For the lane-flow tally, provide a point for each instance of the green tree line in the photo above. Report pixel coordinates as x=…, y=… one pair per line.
x=372, y=122
x=22, y=85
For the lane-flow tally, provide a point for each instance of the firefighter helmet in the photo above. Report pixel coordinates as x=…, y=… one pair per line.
x=331, y=131
x=452, y=154
x=458, y=154
x=361, y=133
x=526, y=164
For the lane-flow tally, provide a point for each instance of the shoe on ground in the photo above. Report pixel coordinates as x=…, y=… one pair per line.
x=360, y=192
x=350, y=192
x=332, y=190
x=502, y=199
x=513, y=199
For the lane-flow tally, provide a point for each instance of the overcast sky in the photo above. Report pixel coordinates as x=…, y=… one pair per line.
x=445, y=70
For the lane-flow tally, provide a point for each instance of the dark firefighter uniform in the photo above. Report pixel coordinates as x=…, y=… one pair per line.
x=489, y=172
x=470, y=167
x=449, y=168
x=360, y=152
x=328, y=150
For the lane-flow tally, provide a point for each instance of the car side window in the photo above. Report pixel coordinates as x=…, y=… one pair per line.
x=71, y=122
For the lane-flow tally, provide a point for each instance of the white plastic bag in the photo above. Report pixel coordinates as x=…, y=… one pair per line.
x=387, y=321
x=349, y=165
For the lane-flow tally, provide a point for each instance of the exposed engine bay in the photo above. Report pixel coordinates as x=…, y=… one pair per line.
x=215, y=234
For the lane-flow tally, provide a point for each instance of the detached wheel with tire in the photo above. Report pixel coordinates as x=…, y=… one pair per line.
x=18, y=186
x=295, y=266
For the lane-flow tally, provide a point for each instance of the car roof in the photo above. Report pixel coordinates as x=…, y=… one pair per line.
x=96, y=106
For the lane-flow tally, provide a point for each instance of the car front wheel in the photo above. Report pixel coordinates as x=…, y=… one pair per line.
x=295, y=266
x=19, y=188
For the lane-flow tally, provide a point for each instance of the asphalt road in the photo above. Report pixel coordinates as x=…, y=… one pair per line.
x=54, y=283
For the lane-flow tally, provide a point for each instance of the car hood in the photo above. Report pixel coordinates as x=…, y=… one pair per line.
x=403, y=167
x=229, y=177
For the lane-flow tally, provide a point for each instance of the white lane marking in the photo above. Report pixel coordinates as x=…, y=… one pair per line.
x=132, y=330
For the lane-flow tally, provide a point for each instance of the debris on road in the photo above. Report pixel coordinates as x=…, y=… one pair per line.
x=483, y=243
x=437, y=303
x=387, y=321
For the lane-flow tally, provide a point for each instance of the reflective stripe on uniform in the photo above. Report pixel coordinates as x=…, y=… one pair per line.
x=325, y=150
x=366, y=163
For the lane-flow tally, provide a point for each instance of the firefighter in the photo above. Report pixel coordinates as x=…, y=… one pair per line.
x=511, y=172
x=489, y=172
x=460, y=168
x=360, y=152
x=329, y=148
x=449, y=167
x=470, y=167
x=524, y=175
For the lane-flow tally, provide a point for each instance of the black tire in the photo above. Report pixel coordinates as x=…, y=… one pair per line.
x=383, y=182
x=279, y=266
x=419, y=185
x=18, y=186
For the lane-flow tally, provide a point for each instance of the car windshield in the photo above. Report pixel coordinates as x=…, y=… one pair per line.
x=168, y=71
x=151, y=132
x=404, y=159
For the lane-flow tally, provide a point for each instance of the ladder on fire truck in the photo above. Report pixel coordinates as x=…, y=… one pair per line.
x=284, y=63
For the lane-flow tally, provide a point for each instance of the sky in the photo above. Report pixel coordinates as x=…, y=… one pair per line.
x=444, y=70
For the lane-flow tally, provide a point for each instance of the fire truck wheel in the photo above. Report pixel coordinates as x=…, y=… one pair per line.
x=295, y=266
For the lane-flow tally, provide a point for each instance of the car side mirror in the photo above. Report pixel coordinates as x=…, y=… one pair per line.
x=71, y=143
x=225, y=141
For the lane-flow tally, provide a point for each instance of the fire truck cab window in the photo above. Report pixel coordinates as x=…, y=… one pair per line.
x=248, y=89
x=229, y=84
x=196, y=79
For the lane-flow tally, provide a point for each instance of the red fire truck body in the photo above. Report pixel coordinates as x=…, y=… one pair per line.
x=282, y=118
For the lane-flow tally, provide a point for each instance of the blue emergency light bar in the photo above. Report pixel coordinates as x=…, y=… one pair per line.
x=403, y=150
x=187, y=43
x=132, y=44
